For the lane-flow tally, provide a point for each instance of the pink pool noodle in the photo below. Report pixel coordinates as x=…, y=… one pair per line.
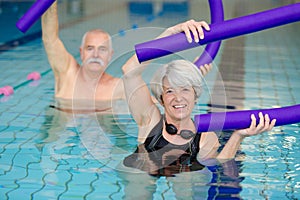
x=33, y=14
x=241, y=119
x=219, y=31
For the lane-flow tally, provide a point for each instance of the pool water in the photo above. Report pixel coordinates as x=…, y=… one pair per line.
x=50, y=154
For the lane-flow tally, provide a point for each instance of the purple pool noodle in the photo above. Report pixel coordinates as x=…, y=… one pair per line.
x=33, y=14
x=208, y=54
x=219, y=31
x=211, y=50
x=241, y=119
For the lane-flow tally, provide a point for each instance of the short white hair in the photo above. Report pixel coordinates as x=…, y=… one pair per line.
x=96, y=31
x=180, y=73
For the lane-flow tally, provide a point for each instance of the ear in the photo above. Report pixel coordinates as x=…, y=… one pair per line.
x=81, y=52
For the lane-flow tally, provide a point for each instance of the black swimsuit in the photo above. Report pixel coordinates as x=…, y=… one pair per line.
x=158, y=149
x=156, y=141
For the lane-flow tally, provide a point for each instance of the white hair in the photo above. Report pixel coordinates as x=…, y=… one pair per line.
x=180, y=73
x=96, y=31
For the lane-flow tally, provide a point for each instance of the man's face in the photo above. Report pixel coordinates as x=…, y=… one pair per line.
x=96, y=51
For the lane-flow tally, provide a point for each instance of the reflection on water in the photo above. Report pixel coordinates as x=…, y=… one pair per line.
x=83, y=154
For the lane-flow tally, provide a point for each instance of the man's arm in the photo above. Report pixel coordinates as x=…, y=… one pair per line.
x=59, y=59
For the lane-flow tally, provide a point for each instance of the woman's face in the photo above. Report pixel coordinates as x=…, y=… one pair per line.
x=178, y=102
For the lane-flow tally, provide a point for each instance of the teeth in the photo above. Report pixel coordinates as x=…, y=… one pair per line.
x=179, y=106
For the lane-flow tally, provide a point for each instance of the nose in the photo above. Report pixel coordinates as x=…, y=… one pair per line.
x=178, y=96
x=96, y=53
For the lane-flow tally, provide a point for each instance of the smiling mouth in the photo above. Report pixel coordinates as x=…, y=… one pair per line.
x=179, y=106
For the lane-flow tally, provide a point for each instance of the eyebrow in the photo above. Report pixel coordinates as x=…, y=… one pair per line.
x=101, y=46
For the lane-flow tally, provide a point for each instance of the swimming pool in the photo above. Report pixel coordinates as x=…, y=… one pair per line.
x=49, y=154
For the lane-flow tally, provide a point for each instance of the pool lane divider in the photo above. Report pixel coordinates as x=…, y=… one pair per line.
x=33, y=76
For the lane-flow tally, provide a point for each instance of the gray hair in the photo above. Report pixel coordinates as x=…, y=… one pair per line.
x=180, y=73
x=96, y=31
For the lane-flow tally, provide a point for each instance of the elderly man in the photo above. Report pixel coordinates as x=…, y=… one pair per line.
x=87, y=81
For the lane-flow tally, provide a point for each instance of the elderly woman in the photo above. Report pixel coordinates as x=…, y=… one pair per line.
x=177, y=87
